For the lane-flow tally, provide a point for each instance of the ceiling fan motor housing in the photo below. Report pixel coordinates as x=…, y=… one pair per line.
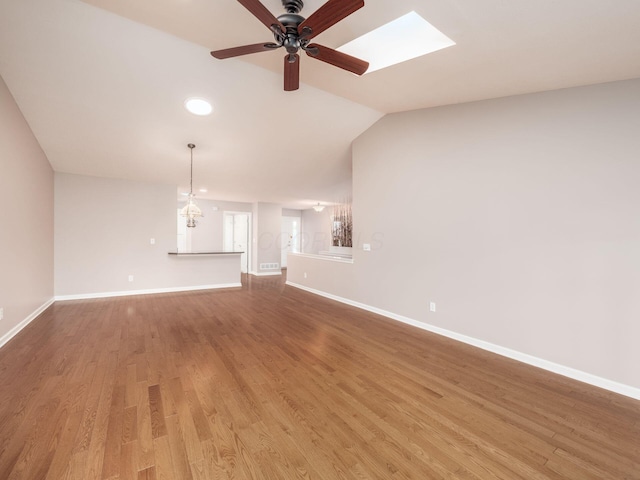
x=291, y=40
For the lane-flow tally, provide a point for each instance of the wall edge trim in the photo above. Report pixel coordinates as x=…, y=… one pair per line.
x=88, y=296
x=20, y=326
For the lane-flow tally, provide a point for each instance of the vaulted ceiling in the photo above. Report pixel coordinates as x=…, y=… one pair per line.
x=102, y=83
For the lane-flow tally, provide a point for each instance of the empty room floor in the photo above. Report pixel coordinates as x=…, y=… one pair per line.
x=270, y=382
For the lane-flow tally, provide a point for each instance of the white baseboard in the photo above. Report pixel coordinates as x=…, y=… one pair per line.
x=569, y=372
x=266, y=274
x=15, y=330
x=86, y=296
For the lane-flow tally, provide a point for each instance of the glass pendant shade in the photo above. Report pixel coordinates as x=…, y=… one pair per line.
x=191, y=210
x=318, y=208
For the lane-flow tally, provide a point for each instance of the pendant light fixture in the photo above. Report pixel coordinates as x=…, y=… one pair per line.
x=191, y=210
x=318, y=208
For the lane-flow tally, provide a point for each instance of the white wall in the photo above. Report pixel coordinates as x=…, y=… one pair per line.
x=316, y=230
x=208, y=235
x=518, y=216
x=267, y=218
x=103, y=230
x=291, y=212
x=26, y=219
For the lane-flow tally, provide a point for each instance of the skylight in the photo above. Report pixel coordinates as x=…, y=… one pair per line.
x=198, y=106
x=402, y=39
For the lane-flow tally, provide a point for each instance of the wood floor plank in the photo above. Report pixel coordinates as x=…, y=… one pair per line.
x=113, y=444
x=179, y=458
x=164, y=464
x=185, y=422
x=99, y=422
x=128, y=470
x=76, y=467
x=63, y=441
x=145, y=452
x=157, y=417
x=147, y=474
x=270, y=382
x=130, y=424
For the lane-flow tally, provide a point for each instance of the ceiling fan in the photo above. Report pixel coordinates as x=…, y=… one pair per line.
x=293, y=32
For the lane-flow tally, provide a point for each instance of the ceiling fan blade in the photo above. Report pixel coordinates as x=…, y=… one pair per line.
x=261, y=13
x=338, y=59
x=328, y=15
x=291, y=72
x=244, y=50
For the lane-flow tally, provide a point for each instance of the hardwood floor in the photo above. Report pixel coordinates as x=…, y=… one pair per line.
x=270, y=382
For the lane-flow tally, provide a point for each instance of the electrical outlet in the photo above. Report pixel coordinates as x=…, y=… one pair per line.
x=432, y=306
x=1, y=313
x=305, y=274
x=366, y=247
x=131, y=278
x=152, y=241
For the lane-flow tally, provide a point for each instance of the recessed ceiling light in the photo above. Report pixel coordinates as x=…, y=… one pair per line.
x=198, y=106
x=402, y=39
x=203, y=190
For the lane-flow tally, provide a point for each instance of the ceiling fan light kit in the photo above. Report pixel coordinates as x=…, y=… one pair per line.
x=293, y=32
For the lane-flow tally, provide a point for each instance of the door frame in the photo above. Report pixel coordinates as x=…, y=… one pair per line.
x=298, y=239
x=249, y=233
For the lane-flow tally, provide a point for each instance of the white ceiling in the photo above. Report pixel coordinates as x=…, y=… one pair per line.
x=103, y=90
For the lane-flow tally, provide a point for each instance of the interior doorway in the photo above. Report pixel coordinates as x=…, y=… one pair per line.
x=237, y=235
x=289, y=238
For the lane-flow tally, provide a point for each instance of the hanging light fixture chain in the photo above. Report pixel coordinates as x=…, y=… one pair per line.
x=191, y=146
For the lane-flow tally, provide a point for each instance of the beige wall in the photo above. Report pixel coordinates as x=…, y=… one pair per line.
x=518, y=216
x=103, y=230
x=26, y=218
